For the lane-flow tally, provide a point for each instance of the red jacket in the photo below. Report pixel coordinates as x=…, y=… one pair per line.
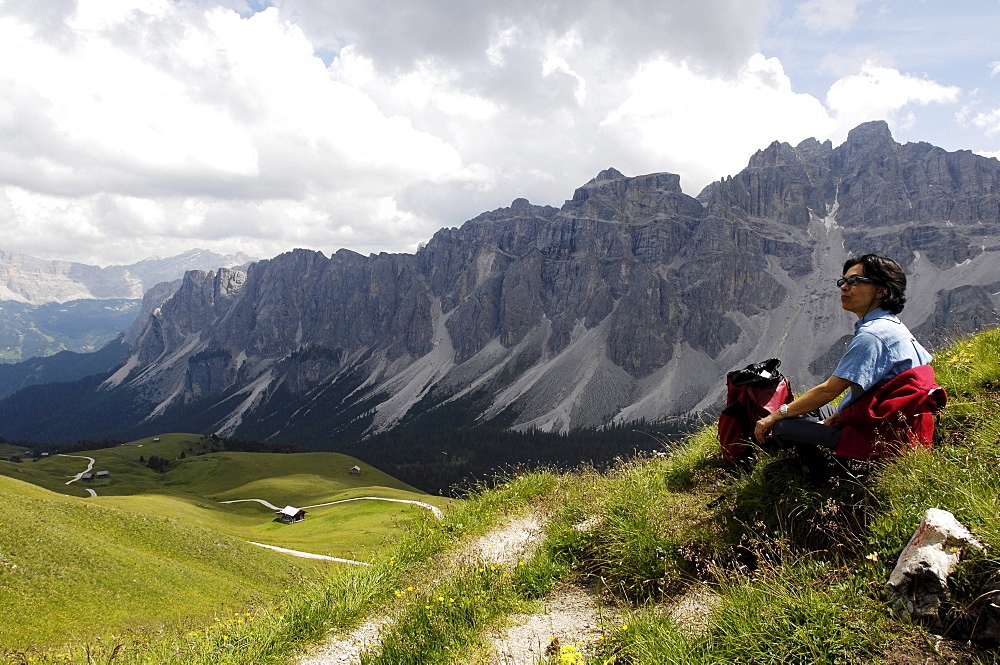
x=897, y=413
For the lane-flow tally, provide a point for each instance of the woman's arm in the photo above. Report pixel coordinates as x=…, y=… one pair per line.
x=812, y=399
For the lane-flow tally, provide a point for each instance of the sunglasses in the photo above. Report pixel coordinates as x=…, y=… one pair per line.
x=852, y=280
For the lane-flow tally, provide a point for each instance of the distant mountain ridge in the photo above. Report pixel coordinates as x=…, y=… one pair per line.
x=34, y=281
x=52, y=306
x=630, y=302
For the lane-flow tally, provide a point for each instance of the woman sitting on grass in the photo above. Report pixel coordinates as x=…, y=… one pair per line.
x=892, y=390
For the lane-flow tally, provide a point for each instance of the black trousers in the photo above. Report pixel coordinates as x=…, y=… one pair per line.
x=813, y=441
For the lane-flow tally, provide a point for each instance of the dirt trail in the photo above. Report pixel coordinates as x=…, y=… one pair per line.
x=347, y=650
x=434, y=509
x=80, y=475
x=571, y=616
x=691, y=612
x=507, y=544
x=264, y=502
x=308, y=555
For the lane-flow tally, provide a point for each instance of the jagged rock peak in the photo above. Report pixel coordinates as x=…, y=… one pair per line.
x=634, y=200
x=519, y=207
x=873, y=133
x=617, y=181
x=607, y=174
x=811, y=144
x=866, y=142
x=776, y=154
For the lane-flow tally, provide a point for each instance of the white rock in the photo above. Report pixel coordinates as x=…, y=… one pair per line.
x=919, y=583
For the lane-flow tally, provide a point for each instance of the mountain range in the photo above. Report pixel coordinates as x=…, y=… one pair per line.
x=630, y=302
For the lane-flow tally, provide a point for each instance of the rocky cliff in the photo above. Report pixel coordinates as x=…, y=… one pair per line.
x=631, y=301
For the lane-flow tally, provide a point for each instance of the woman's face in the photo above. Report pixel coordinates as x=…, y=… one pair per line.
x=860, y=298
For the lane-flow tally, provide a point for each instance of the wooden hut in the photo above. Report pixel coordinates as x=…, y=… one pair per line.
x=290, y=514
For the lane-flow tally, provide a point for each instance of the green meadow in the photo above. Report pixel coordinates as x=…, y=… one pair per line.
x=160, y=551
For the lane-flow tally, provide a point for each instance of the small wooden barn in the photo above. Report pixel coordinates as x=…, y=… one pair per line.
x=355, y=470
x=290, y=514
x=87, y=477
x=103, y=475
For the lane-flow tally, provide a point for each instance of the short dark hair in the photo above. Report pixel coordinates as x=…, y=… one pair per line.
x=887, y=274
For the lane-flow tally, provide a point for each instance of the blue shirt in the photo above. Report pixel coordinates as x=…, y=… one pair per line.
x=882, y=348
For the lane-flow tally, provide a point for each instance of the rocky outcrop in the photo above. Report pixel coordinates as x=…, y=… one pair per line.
x=918, y=585
x=152, y=300
x=631, y=301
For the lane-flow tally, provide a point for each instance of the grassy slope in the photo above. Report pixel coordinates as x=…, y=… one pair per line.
x=351, y=530
x=70, y=567
x=224, y=475
x=150, y=544
x=819, y=555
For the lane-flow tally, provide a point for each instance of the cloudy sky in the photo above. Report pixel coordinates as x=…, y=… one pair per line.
x=136, y=128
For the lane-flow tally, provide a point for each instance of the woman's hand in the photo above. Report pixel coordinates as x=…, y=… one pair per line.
x=764, y=426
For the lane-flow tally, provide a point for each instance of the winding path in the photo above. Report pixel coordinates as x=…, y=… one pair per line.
x=262, y=502
x=307, y=555
x=434, y=509
x=80, y=475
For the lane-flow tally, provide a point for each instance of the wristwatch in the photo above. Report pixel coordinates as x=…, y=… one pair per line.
x=783, y=410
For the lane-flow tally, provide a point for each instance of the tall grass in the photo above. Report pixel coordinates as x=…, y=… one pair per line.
x=798, y=613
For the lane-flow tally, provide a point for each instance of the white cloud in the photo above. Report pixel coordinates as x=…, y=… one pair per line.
x=711, y=33
x=822, y=16
x=884, y=93
x=988, y=121
x=96, y=115
x=995, y=67
x=706, y=126
x=150, y=104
